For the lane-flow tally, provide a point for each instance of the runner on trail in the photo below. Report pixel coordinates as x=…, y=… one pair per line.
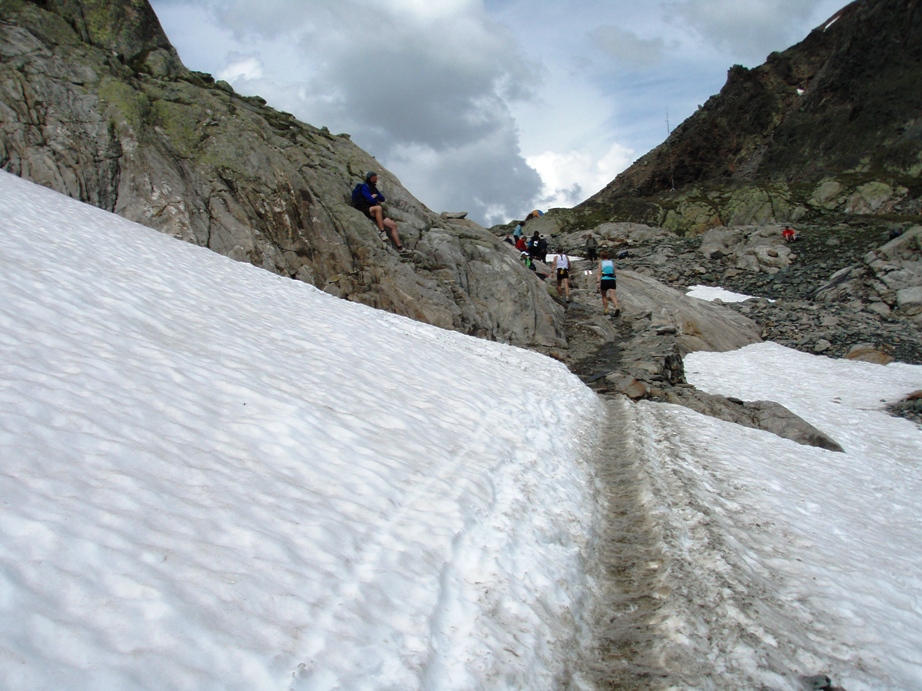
x=607, y=283
x=562, y=269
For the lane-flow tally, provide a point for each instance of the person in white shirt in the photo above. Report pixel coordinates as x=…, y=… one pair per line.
x=562, y=269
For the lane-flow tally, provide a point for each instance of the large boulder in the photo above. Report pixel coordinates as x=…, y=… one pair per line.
x=94, y=103
x=748, y=248
x=764, y=415
x=888, y=281
x=697, y=324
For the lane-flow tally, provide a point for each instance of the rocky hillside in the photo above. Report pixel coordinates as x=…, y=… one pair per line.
x=95, y=103
x=832, y=125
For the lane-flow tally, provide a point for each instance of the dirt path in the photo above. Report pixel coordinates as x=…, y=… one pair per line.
x=629, y=563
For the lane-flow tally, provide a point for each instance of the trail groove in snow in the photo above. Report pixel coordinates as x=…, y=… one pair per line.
x=630, y=559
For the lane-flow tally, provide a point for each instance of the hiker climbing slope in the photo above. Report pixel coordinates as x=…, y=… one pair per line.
x=607, y=283
x=562, y=269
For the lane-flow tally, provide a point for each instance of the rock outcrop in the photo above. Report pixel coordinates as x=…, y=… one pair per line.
x=95, y=103
x=888, y=280
x=639, y=354
x=764, y=415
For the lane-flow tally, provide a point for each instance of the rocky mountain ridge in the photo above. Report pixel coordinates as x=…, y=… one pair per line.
x=95, y=103
x=829, y=126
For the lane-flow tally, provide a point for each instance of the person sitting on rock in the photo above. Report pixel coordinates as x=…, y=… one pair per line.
x=789, y=235
x=369, y=201
x=528, y=261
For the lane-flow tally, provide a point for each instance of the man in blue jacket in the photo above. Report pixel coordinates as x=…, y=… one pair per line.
x=369, y=201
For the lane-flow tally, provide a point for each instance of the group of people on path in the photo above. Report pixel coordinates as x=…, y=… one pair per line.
x=369, y=200
x=535, y=246
x=606, y=280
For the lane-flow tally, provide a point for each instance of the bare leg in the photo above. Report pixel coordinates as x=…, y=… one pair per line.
x=377, y=215
x=392, y=232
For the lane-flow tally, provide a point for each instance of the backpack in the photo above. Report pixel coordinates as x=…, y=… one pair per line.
x=357, y=197
x=608, y=268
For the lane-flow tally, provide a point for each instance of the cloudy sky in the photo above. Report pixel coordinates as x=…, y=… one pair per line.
x=494, y=107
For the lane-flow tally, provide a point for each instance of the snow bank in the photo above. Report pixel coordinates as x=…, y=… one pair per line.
x=787, y=560
x=215, y=477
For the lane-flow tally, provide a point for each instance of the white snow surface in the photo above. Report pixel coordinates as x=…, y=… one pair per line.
x=822, y=551
x=711, y=293
x=217, y=478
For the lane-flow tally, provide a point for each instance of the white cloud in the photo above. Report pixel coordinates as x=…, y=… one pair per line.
x=244, y=67
x=488, y=178
x=570, y=177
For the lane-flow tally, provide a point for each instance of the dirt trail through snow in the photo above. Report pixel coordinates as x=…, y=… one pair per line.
x=630, y=561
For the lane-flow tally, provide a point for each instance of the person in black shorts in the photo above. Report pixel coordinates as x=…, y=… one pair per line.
x=607, y=283
x=369, y=200
x=562, y=269
x=590, y=247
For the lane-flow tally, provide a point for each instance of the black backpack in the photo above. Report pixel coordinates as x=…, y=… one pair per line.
x=358, y=199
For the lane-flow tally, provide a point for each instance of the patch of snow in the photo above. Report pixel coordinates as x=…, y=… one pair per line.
x=809, y=560
x=711, y=293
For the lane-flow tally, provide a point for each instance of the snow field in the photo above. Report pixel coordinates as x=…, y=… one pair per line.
x=788, y=560
x=215, y=477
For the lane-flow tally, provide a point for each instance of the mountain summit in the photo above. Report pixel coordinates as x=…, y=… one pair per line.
x=830, y=125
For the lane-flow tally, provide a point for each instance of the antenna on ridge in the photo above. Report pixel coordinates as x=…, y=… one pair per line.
x=669, y=150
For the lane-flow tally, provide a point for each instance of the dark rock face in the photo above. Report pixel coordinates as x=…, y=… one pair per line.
x=909, y=408
x=128, y=30
x=832, y=124
x=95, y=103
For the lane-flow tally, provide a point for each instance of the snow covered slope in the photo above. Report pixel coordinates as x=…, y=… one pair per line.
x=215, y=477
